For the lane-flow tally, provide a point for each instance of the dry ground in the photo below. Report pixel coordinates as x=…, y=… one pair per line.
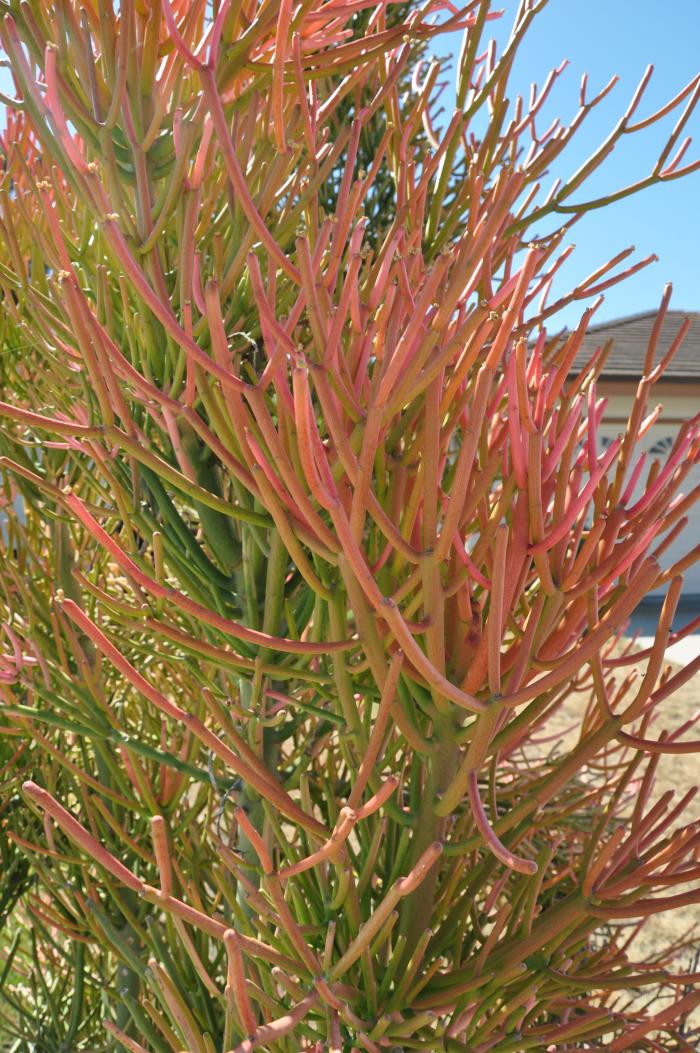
x=677, y=773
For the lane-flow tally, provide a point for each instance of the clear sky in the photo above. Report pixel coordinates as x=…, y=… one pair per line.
x=605, y=37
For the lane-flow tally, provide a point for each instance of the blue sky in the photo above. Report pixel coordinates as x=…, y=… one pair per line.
x=604, y=37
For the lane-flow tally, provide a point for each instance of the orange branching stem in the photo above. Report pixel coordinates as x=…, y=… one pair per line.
x=159, y=835
x=318, y=550
x=235, y=981
x=78, y=834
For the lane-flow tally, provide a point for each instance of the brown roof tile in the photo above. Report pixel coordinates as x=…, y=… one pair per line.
x=630, y=338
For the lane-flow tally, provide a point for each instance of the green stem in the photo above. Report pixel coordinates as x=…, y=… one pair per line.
x=417, y=909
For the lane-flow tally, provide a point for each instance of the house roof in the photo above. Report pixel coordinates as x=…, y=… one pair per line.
x=630, y=338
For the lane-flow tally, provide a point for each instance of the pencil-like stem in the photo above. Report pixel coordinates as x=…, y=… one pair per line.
x=316, y=561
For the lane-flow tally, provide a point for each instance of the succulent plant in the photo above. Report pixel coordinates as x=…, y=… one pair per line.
x=309, y=540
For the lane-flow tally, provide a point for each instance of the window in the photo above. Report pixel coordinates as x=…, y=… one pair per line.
x=661, y=447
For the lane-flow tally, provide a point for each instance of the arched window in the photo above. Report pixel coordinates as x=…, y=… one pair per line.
x=662, y=446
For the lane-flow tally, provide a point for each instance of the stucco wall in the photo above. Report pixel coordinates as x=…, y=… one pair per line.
x=655, y=442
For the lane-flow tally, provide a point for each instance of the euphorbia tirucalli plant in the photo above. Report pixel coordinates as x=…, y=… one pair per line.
x=316, y=542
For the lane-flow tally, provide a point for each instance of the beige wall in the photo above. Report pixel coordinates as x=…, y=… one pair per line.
x=679, y=401
x=678, y=406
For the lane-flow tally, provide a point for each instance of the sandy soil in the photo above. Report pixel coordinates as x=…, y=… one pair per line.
x=678, y=773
